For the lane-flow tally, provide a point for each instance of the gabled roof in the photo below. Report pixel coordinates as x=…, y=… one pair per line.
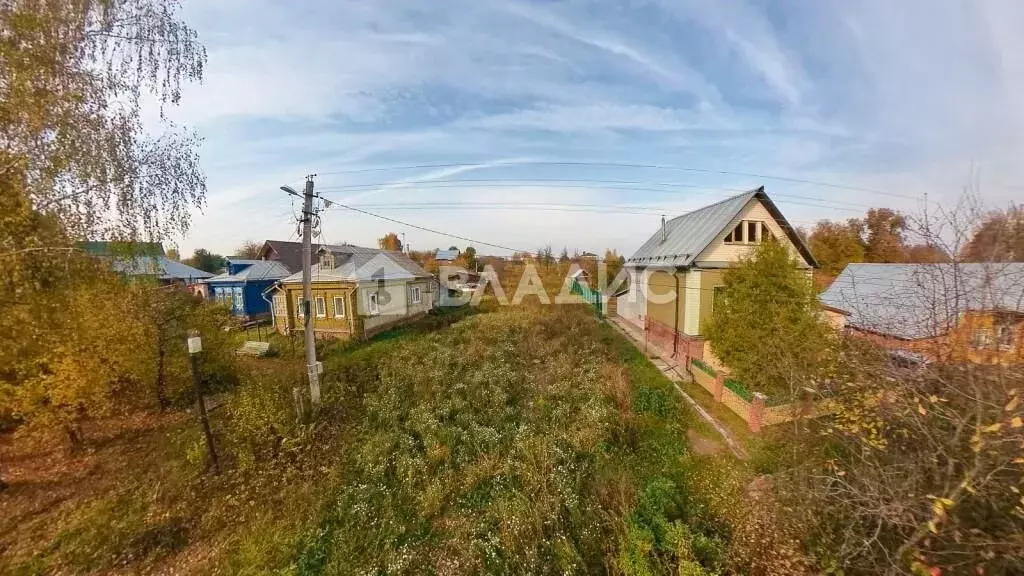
x=242, y=261
x=446, y=255
x=258, y=270
x=686, y=236
x=288, y=253
x=161, y=267
x=914, y=301
x=142, y=259
x=359, y=264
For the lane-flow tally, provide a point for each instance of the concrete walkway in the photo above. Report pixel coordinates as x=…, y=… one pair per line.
x=663, y=361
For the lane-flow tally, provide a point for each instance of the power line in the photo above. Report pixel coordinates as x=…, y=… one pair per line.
x=429, y=184
x=524, y=181
x=546, y=207
x=627, y=165
x=425, y=229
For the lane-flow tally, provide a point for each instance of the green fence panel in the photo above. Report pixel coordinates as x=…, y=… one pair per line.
x=739, y=389
x=589, y=295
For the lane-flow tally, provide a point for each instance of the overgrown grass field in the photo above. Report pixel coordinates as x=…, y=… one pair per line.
x=520, y=440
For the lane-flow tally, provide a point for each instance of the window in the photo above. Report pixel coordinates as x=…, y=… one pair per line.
x=981, y=339
x=372, y=305
x=280, y=306
x=339, y=307
x=321, y=307
x=299, y=310
x=239, y=300
x=1004, y=331
x=415, y=294
x=736, y=235
x=748, y=232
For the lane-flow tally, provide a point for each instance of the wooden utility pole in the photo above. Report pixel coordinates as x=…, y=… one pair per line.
x=307, y=293
x=195, y=346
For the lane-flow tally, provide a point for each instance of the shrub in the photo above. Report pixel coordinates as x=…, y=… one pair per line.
x=261, y=415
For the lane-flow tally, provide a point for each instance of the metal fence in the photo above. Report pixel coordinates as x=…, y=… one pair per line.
x=589, y=295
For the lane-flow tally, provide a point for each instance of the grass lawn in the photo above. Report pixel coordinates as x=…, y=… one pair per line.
x=736, y=425
x=519, y=440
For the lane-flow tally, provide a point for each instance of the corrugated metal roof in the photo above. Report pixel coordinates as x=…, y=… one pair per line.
x=913, y=301
x=446, y=255
x=258, y=270
x=686, y=236
x=160, y=266
x=359, y=264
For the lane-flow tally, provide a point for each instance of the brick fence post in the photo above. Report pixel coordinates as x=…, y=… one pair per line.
x=757, y=412
x=719, y=385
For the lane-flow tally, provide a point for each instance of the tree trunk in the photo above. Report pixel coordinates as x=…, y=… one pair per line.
x=160, y=384
x=3, y=484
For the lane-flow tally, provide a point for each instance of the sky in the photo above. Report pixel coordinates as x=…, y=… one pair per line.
x=417, y=110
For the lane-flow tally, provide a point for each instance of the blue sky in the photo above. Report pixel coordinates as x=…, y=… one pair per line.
x=901, y=97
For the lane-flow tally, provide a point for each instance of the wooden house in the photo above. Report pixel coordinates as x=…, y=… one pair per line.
x=674, y=274
x=145, y=260
x=243, y=284
x=948, y=312
x=357, y=292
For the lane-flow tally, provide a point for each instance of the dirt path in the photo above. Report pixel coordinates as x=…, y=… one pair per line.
x=676, y=374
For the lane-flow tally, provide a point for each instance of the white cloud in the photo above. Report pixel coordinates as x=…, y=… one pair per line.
x=903, y=97
x=597, y=117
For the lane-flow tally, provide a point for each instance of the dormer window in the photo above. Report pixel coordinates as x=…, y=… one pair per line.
x=749, y=232
x=326, y=260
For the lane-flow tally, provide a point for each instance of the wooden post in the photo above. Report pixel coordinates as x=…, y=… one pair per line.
x=195, y=346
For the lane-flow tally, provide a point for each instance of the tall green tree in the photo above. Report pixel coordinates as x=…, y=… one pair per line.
x=206, y=261
x=766, y=324
x=885, y=236
x=75, y=76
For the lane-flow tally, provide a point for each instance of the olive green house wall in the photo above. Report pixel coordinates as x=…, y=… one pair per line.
x=661, y=283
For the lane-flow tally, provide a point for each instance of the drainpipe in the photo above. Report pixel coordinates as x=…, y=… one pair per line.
x=273, y=317
x=675, y=328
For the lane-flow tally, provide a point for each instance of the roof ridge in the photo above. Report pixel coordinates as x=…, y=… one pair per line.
x=722, y=201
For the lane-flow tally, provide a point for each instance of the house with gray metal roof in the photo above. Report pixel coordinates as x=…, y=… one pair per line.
x=144, y=260
x=946, y=311
x=674, y=274
x=446, y=255
x=356, y=292
x=243, y=284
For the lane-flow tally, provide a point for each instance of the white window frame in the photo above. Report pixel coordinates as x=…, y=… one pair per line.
x=299, y=309
x=417, y=297
x=280, y=305
x=321, y=306
x=339, y=311
x=372, y=305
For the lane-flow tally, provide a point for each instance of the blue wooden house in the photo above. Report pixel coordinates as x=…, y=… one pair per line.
x=243, y=283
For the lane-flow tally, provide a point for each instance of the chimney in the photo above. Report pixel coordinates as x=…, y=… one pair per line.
x=664, y=231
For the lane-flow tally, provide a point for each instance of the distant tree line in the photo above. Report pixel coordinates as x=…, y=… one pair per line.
x=885, y=236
